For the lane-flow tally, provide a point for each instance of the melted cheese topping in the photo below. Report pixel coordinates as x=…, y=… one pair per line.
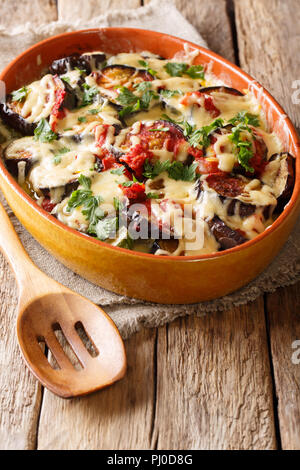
x=40, y=99
x=55, y=164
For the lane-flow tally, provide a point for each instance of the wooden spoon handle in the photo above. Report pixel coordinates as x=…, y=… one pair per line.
x=13, y=249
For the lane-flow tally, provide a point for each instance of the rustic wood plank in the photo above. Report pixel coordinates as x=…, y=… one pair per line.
x=119, y=417
x=20, y=394
x=220, y=381
x=283, y=309
x=20, y=397
x=268, y=39
x=85, y=10
x=34, y=11
x=211, y=21
x=268, y=32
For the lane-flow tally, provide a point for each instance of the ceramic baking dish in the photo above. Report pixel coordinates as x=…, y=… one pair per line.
x=170, y=279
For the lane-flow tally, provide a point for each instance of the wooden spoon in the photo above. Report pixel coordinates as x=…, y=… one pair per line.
x=46, y=307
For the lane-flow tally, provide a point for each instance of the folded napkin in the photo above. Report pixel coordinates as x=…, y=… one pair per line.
x=130, y=314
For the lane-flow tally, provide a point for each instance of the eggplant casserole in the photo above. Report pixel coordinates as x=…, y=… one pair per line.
x=120, y=147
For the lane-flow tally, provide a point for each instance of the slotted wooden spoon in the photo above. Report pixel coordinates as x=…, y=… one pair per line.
x=46, y=306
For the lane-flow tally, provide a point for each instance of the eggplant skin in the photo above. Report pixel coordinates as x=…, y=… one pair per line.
x=69, y=188
x=225, y=236
x=64, y=65
x=94, y=60
x=146, y=76
x=222, y=89
x=245, y=210
x=70, y=100
x=166, y=245
x=14, y=120
x=12, y=164
x=287, y=192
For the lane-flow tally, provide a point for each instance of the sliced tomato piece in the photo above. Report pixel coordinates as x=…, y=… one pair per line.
x=135, y=192
x=206, y=166
x=47, y=205
x=225, y=185
x=135, y=159
x=198, y=98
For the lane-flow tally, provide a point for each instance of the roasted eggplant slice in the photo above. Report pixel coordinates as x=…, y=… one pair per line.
x=240, y=208
x=14, y=154
x=43, y=99
x=66, y=64
x=221, y=89
x=165, y=245
x=225, y=236
x=15, y=120
x=279, y=174
x=85, y=62
x=225, y=185
x=96, y=60
x=114, y=76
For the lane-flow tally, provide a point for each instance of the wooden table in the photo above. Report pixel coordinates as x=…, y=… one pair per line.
x=225, y=381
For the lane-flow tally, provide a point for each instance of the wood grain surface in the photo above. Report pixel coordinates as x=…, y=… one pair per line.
x=208, y=383
x=268, y=40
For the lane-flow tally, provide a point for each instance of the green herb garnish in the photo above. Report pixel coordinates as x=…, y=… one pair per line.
x=118, y=171
x=132, y=102
x=200, y=137
x=152, y=196
x=176, y=170
x=43, y=132
x=170, y=93
x=60, y=152
x=66, y=79
x=89, y=94
x=94, y=111
x=126, y=243
x=151, y=171
x=177, y=69
x=145, y=64
x=82, y=119
x=245, y=118
x=105, y=227
x=20, y=94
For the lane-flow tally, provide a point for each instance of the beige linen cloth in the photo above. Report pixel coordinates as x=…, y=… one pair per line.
x=130, y=314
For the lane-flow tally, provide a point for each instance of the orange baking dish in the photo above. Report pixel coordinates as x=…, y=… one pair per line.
x=170, y=279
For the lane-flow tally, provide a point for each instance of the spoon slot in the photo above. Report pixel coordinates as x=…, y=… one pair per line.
x=66, y=347
x=86, y=339
x=47, y=353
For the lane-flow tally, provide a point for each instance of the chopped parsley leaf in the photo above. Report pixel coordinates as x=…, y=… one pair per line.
x=60, y=152
x=145, y=64
x=118, y=171
x=152, y=196
x=200, y=137
x=20, y=94
x=43, y=132
x=94, y=111
x=85, y=181
x=177, y=69
x=89, y=94
x=170, y=93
